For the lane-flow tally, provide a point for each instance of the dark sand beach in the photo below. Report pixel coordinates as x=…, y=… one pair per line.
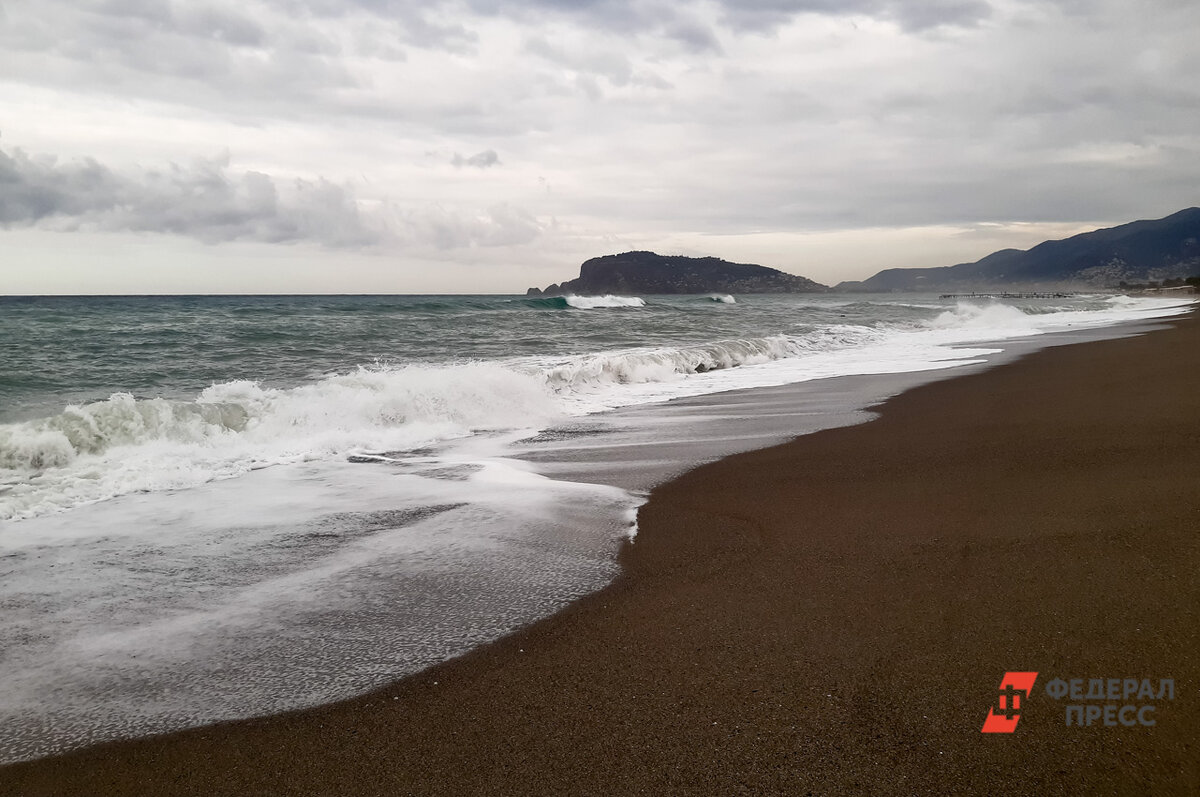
x=829, y=616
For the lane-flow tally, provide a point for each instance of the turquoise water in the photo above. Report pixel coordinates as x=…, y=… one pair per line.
x=62, y=350
x=106, y=396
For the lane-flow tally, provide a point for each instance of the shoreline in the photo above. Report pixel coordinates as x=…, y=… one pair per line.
x=846, y=638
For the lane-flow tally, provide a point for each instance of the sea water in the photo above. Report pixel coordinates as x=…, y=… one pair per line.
x=217, y=507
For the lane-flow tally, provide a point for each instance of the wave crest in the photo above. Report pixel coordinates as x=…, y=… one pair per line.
x=125, y=444
x=608, y=300
x=667, y=364
x=966, y=315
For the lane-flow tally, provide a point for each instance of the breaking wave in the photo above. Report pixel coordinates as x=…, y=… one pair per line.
x=581, y=374
x=572, y=301
x=125, y=444
x=608, y=300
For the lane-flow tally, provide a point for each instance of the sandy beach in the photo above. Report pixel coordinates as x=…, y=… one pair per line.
x=829, y=616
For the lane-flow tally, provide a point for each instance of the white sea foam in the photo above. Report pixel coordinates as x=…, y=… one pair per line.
x=667, y=364
x=1000, y=317
x=608, y=300
x=1000, y=321
x=723, y=298
x=125, y=445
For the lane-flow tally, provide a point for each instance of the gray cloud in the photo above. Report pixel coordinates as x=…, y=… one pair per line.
x=480, y=160
x=211, y=20
x=671, y=19
x=203, y=52
x=697, y=37
x=420, y=24
x=928, y=14
x=208, y=201
x=303, y=59
x=203, y=201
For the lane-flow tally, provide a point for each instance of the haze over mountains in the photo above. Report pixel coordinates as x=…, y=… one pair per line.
x=1140, y=251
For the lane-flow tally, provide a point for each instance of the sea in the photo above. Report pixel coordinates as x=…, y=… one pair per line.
x=215, y=507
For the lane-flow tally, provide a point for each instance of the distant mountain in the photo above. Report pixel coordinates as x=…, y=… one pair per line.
x=647, y=272
x=1135, y=252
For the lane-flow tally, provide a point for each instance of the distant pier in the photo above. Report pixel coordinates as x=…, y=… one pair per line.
x=1007, y=295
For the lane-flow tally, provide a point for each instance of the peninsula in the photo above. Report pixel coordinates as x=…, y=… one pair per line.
x=648, y=272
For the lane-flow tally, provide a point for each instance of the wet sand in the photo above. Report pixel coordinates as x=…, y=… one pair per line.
x=832, y=615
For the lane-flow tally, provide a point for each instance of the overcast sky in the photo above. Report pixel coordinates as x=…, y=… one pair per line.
x=150, y=146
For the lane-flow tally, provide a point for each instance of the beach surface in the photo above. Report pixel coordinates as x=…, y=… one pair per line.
x=829, y=616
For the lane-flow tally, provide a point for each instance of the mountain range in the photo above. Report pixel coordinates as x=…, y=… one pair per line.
x=1137, y=252
x=1140, y=251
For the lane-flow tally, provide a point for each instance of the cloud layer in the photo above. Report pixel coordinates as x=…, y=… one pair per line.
x=202, y=200
x=392, y=124
x=209, y=201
